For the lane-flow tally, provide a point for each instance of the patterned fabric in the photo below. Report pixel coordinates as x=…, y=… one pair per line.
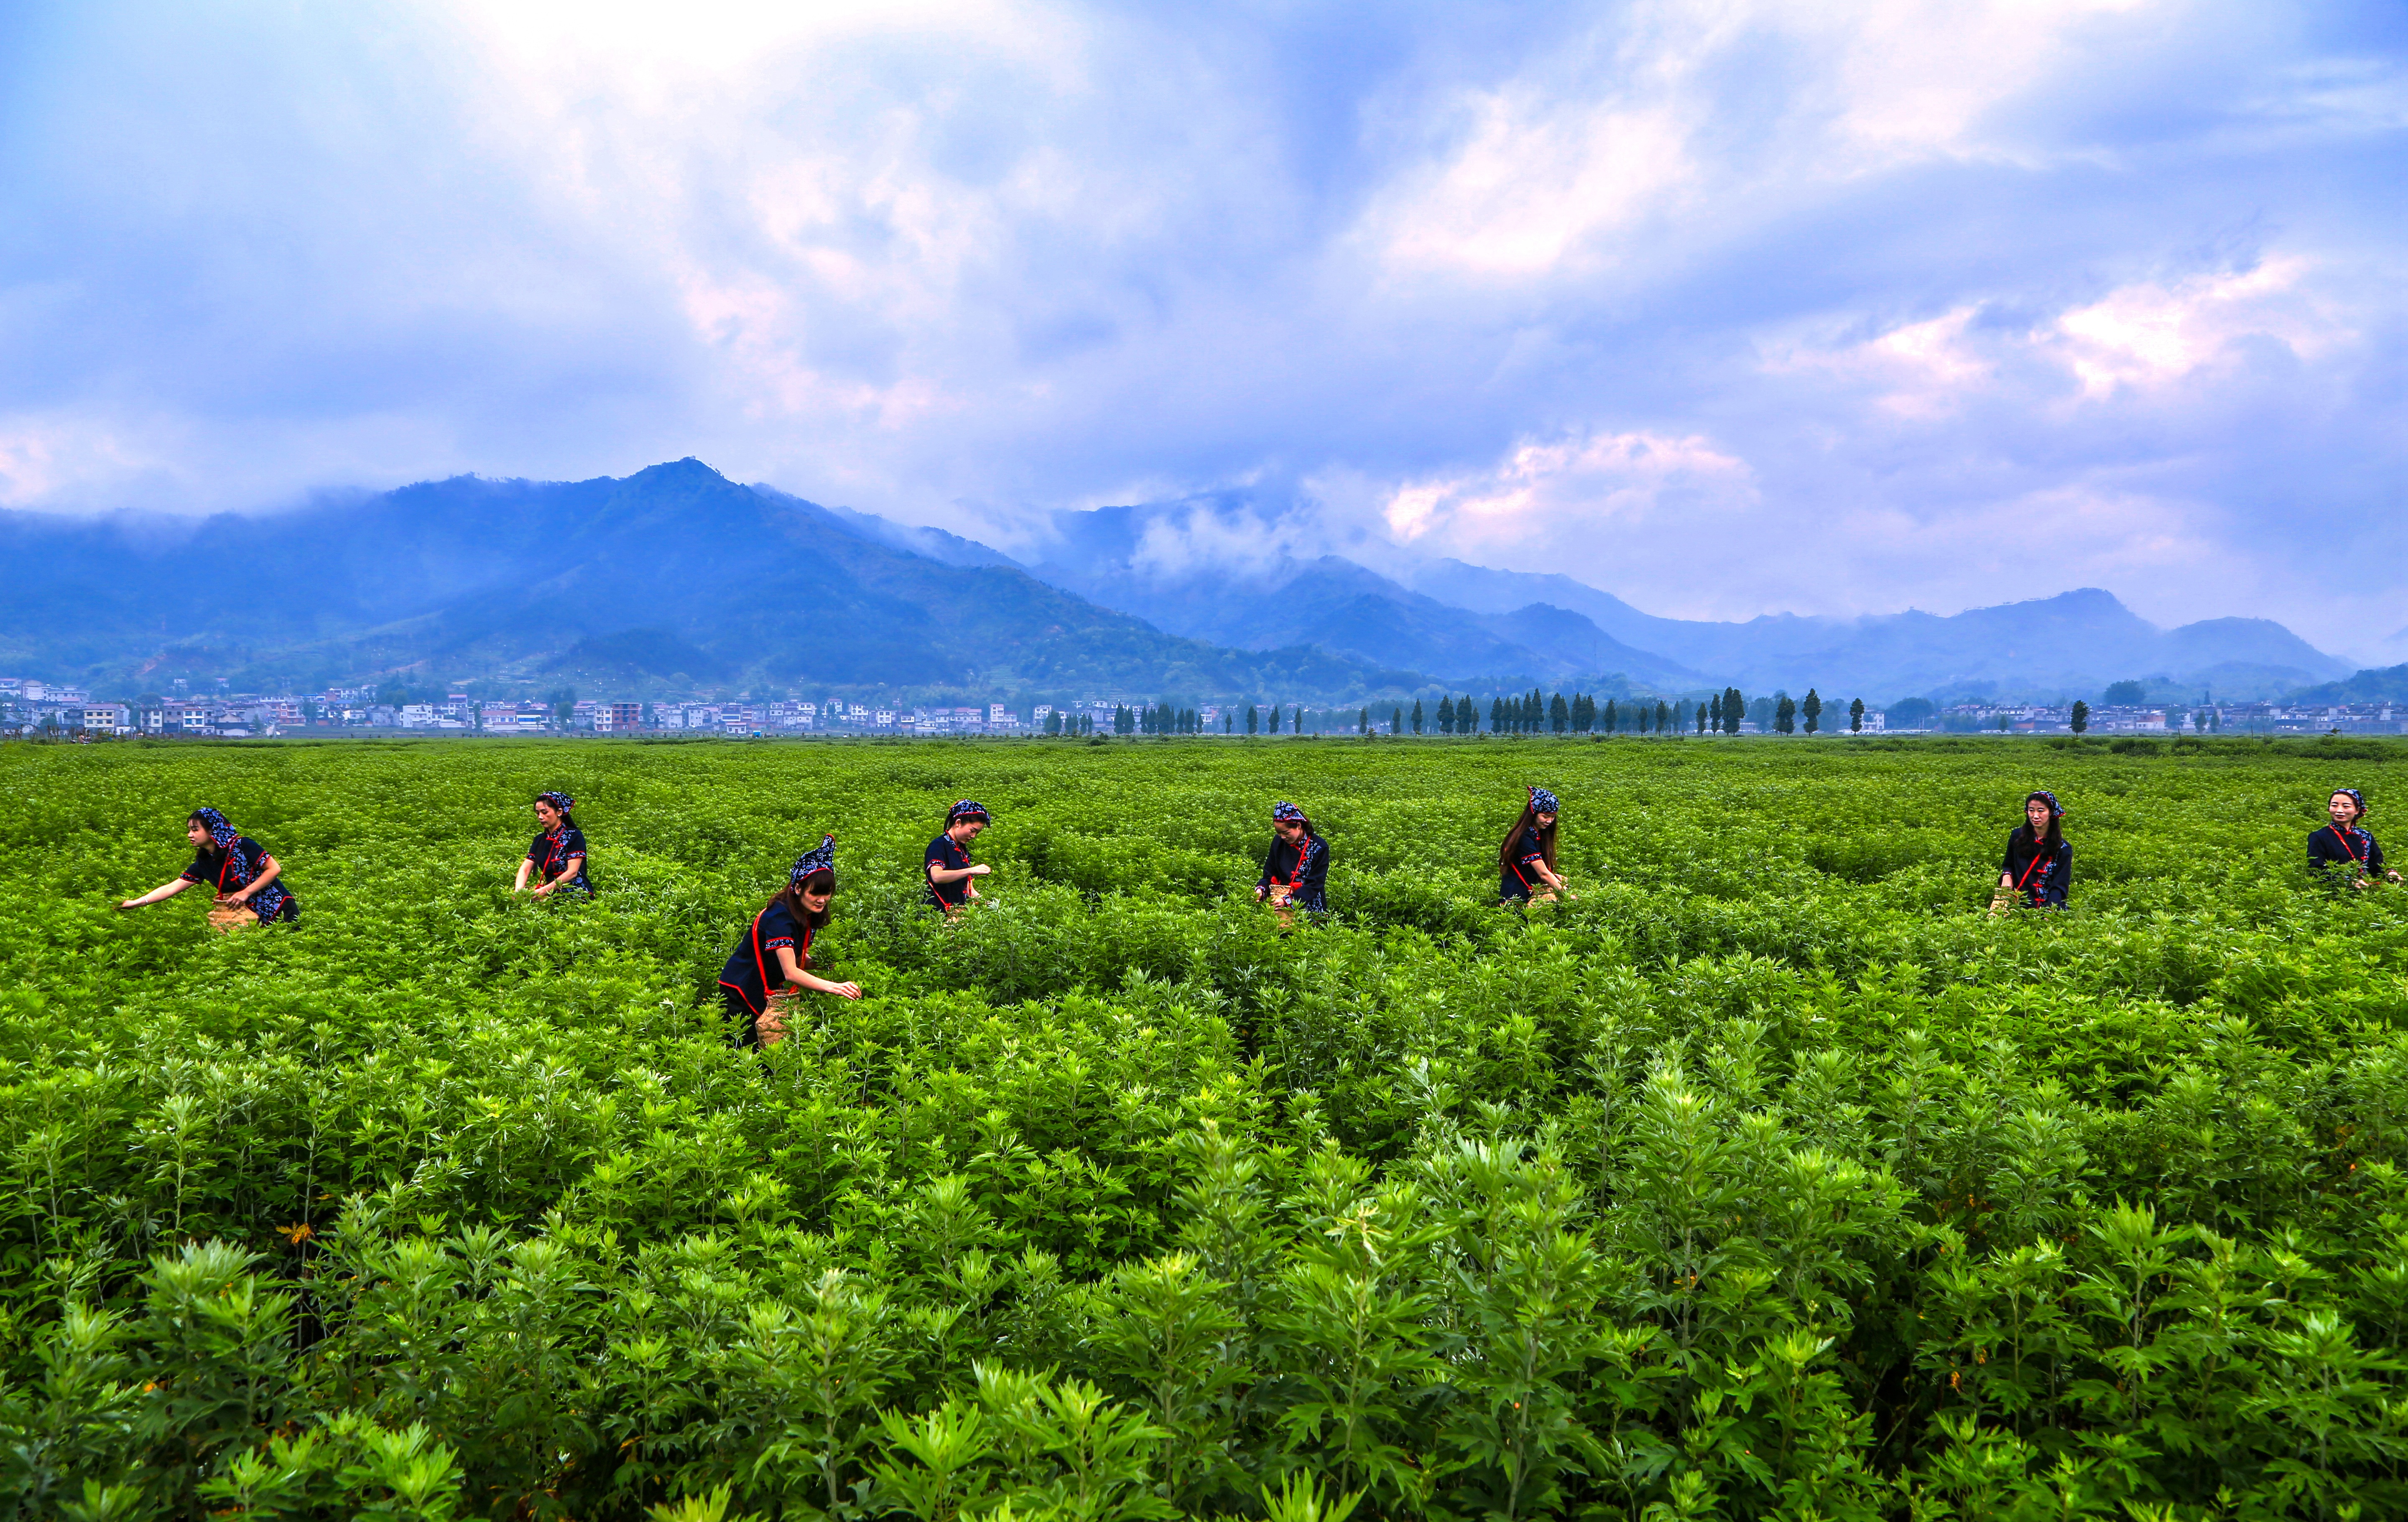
x=2350, y=848
x=561, y=801
x=1521, y=876
x=821, y=860
x=2353, y=795
x=2056, y=810
x=1287, y=813
x=967, y=809
x=553, y=849
x=219, y=831
x=1542, y=801
x=237, y=865
x=1303, y=867
x=2044, y=874
x=946, y=853
x=753, y=971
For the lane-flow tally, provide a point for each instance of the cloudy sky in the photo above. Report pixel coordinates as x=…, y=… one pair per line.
x=1727, y=308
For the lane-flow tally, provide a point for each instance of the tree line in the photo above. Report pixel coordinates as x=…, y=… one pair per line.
x=1524, y=713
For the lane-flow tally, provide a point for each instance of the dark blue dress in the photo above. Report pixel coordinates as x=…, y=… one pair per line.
x=2043, y=876
x=1306, y=871
x=753, y=972
x=1521, y=877
x=553, y=849
x=237, y=867
x=2353, y=851
x=948, y=853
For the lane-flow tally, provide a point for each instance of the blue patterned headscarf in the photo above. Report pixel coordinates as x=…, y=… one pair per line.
x=820, y=860
x=561, y=801
x=1544, y=802
x=967, y=809
x=1284, y=812
x=2056, y=810
x=2355, y=797
x=226, y=834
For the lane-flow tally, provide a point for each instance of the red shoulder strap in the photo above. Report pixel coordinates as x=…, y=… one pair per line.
x=759, y=963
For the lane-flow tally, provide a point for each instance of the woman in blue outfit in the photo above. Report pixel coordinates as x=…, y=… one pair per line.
x=2344, y=846
x=1526, y=862
x=2039, y=865
x=245, y=878
x=948, y=864
x=1296, y=873
x=768, y=965
x=557, y=858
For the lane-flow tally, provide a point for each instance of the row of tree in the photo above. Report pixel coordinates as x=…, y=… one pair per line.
x=1526, y=713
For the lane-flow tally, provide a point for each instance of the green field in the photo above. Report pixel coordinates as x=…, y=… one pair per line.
x=1772, y=1177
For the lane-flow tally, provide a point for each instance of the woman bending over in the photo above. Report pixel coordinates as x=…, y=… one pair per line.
x=1526, y=862
x=1296, y=873
x=948, y=867
x=768, y=966
x=244, y=875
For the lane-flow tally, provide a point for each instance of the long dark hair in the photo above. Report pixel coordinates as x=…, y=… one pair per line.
x=823, y=881
x=2055, y=835
x=1529, y=823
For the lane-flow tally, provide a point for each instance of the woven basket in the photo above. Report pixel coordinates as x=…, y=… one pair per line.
x=225, y=914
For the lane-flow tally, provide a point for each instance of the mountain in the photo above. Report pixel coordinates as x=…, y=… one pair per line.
x=677, y=579
x=2381, y=685
x=672, y=579
x=1200, y=568
x=1226, y=567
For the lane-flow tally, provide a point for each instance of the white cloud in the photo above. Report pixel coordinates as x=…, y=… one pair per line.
x=1599, y=291
x=1595, y=483
x=2136, y=338
x=2150, y=333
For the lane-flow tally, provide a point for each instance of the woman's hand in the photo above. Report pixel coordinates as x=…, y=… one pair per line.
x=2006, y=880
x=547, y=888
x=981, y=869
x=844, y=990
x=129, y=903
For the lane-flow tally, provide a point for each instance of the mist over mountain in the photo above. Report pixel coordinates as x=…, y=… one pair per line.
x=677, y=580
x=672, y=579
x=1225, y=568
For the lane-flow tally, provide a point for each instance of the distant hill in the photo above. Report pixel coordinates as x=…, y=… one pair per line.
x=1199, y=567
x=672, y=579
x=677, y=580
x=1137, y=560
x=2379, y=684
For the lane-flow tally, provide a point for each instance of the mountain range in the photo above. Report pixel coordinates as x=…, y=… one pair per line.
x=677, y=579
x=1463, y=622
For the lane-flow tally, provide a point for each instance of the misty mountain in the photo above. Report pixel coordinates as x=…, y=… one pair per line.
x=2382, y=685
x=1145, y=561
x=1219, y=568
x=672, y=579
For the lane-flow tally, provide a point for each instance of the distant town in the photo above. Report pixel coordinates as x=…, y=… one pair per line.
x=31, y=707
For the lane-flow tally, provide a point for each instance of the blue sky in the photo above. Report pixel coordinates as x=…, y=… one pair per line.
x=1726, y=308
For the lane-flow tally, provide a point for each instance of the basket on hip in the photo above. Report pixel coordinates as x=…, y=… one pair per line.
x=225, y=914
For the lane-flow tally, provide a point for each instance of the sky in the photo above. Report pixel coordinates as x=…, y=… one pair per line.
x=1726, y=308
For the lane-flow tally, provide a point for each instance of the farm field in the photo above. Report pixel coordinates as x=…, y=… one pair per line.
x=1770, y=1177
